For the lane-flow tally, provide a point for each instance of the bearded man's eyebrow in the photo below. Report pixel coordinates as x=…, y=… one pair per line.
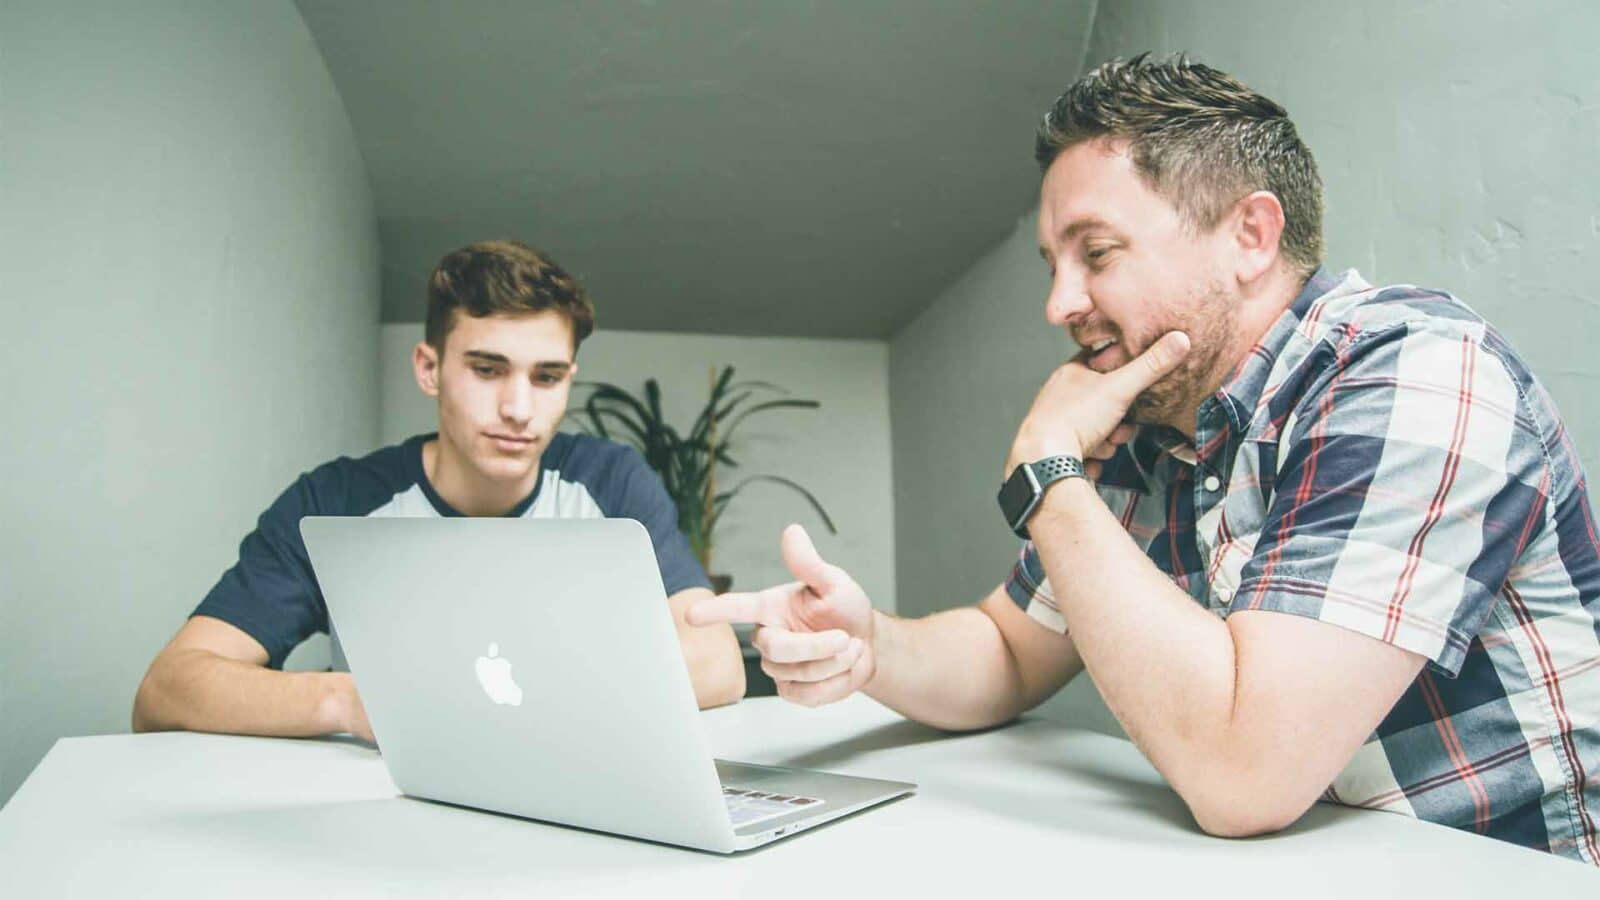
x=1079, y=226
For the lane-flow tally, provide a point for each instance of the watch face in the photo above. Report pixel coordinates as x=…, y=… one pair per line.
x=1016, y=495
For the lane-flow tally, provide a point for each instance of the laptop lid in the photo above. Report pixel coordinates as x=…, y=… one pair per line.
x=499, y=661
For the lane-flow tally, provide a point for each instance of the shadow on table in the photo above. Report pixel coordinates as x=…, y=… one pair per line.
x=402, y=839
x=902, y=733
x=1104, y=795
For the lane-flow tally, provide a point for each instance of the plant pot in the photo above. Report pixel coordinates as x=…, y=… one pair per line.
x=720, y=584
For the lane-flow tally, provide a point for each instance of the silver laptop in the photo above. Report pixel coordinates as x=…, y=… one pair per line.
x=531, y=667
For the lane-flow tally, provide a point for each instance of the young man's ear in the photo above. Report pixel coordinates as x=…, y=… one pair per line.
x=1257, y=229
x=425, y=365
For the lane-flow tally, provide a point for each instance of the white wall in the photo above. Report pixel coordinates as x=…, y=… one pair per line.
x=1458, y=144
x=190, y=294
x=961, y=377
x=840, y=452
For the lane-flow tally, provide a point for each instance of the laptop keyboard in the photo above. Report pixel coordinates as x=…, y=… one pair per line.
x=746, y=806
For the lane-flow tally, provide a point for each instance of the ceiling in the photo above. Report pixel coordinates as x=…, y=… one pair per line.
x=771, y=168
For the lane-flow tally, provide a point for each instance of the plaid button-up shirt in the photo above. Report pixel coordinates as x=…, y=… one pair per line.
x=1383, y=461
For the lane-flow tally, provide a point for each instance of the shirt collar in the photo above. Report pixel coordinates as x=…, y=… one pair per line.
x=1235, y=402
x=1239, y=393
x=1224, y=416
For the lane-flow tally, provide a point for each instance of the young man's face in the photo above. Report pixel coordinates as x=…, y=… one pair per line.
x=502, y=384
x=1124, y=267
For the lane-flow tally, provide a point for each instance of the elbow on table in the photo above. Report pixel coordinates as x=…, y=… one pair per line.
x=157, y=704
x=144, y=703
x=1243, y=810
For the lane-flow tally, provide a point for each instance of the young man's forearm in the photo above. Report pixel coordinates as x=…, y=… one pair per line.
x=951, y=670
x=198, y=690
x=716, y=667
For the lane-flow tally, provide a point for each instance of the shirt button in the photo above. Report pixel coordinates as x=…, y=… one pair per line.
x=1212, y=482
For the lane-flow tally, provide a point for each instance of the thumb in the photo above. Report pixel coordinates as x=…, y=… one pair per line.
x=801, y=556
x=1152, y=365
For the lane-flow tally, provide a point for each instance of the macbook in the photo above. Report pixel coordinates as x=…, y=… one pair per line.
x=531, y=667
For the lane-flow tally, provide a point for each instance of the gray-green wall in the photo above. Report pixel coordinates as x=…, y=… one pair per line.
x=1458, y=143
x=188, y=267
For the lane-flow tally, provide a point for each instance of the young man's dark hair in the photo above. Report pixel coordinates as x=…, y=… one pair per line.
x=1199, y=137
x=503, y=278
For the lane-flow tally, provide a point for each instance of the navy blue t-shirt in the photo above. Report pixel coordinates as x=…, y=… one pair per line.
x=272, y=595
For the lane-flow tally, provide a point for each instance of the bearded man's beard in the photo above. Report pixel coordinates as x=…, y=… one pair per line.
x=1210, y=320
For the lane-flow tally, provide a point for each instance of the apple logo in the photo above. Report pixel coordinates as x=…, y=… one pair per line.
x=494, y=673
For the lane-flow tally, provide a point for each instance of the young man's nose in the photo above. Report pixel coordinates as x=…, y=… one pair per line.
x=516, y=402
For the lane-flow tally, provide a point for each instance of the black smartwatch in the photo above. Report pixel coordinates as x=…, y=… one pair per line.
x=1021, y=493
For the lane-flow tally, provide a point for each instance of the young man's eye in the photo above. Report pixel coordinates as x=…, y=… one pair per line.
x=484, y=371
x=548, y=378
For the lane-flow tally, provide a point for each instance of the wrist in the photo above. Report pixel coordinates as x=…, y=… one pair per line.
x=1023, y=492
x=879, y=637
x=336, y=702
x=1061, y=497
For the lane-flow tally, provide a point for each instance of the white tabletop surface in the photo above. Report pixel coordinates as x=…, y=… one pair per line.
x=1035, y=808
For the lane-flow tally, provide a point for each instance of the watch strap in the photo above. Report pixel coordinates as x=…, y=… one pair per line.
x=1052, y=469
x=1021, y=493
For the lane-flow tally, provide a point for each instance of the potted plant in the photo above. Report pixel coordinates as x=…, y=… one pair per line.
x=687, y=463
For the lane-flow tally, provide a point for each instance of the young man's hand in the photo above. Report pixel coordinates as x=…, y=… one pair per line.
x=357, y=723
x=344, y=710
x=815, y=634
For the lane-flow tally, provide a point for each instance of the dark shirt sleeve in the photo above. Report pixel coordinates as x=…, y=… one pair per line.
x=271, y=593
x=642, y=496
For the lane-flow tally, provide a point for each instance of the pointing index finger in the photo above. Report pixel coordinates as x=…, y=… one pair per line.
x=765, y=607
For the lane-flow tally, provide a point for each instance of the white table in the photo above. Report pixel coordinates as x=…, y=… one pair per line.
x=1036, y=809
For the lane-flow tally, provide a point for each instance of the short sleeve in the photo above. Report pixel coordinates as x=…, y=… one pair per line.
x=1030, y=590
x=271, y=593
x=643, y=497
x=1407, y=484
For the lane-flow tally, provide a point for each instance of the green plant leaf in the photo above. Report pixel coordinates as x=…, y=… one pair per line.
x=652, y=397
x=702, y=424
x=725, y=497
x=684, y=463
x=604, y=392
x=598, y=413
x=766, y=385
x=763, y=407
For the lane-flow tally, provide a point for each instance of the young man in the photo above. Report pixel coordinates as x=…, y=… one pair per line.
x=504, y=324
x=1332, y=540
